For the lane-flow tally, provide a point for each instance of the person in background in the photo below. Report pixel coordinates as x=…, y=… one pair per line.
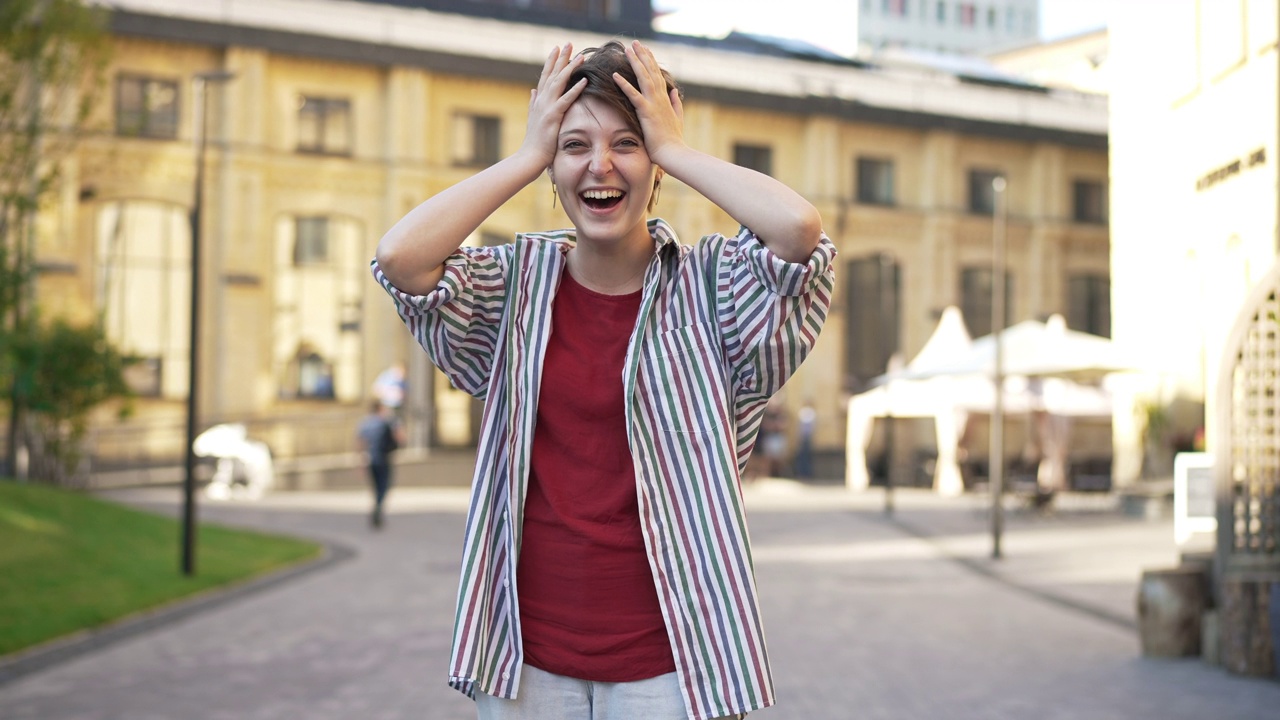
x=389, y=387
x=606, y=567
x=773, y=439
x=806, y=423
x=380, y=436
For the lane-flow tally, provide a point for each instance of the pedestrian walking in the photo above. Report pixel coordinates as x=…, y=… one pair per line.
x=806, y=424
x=606, y=570
x=380, y=436
x=773, y=439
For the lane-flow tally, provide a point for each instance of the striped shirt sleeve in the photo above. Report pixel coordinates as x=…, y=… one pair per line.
x=458, y=322
x=770, y=311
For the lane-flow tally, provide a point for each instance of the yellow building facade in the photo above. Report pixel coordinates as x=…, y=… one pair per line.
x=1195, y=183
x=338, y=120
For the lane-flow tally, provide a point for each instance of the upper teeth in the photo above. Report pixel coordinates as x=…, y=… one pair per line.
x=602, y=194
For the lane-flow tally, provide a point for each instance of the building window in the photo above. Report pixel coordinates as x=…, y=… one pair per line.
x=316, y=343
x=607, y=9
x=982, y=196
x=1011, y=20
x=315, y=375
x=324, y=126
x=476, y=140
x=311, y=241
x=872, y=287
x=875, y=181
x=976, y=291
x=941, y=11
x=756, y=157
x=143, y=291
x=1089, y=304
x=967, y=14
x=895, y=8
x=146, y=107
x=145, y=376
x=1089, y=202
x=991, y=18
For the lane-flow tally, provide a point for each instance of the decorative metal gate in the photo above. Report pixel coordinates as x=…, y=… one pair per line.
x=1247, y=474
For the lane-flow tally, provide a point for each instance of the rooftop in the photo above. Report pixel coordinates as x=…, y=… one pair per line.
x=785, y=75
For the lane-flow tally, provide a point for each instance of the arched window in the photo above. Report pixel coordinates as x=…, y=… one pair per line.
x=320, y=262
x=143, y=290
x=976, y=292
x=872, y=290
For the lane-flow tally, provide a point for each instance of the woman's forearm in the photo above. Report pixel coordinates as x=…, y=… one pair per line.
x=785, y=222
x=412, y=253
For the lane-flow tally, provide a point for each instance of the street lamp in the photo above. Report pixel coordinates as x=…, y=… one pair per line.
x=995, y=463
x=201, y=121
x=888, y=332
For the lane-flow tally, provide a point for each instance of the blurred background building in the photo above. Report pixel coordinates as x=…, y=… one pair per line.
x=1194, y=188
x=338, y=117
x=955, y=27
x=1194, y=129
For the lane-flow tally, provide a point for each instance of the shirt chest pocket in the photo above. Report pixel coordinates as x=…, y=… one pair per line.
x=683, y=380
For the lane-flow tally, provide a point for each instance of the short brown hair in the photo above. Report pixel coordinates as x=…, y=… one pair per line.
x=599, y=65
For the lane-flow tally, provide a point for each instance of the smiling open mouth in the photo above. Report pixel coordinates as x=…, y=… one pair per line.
x=602, y=199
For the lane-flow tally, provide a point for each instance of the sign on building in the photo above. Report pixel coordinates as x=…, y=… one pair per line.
x=1194, y=503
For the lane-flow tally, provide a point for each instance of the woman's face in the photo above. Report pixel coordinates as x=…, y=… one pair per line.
x=602, y=173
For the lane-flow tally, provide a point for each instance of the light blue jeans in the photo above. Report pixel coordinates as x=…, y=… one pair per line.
x=544, y=696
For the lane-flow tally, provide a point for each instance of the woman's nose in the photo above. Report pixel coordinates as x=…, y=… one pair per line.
x=601, y=163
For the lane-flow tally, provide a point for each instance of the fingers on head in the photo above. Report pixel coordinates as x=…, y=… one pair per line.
x=571, y=94
x=627, y=88
x=557, y=58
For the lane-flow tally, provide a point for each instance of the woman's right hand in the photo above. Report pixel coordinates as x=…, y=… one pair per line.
x=550, y=101
x=412, y=253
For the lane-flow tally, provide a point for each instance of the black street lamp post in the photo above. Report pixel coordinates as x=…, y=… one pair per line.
x=201, y=118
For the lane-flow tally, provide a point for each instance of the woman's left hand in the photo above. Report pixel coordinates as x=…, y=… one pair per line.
x=661, y=112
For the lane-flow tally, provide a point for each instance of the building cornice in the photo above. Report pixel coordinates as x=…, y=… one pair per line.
x=513, y=52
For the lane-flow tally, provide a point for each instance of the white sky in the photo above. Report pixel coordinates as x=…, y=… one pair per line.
x=826, y=22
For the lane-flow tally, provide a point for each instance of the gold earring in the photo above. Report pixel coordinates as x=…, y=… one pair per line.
x=657, y=190
x=553, y=196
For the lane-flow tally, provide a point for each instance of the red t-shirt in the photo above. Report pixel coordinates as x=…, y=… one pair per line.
x=588, y=606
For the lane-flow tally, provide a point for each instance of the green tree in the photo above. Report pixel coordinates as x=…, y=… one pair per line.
x=52, y=55
x=64, y=371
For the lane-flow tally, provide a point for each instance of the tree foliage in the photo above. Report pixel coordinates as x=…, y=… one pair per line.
x=64, y=371
x=52, y=56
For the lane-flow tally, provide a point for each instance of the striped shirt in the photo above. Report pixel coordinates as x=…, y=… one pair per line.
x=722, y=325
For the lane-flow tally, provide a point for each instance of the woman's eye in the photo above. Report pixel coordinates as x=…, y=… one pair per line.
x=629, y=142
x=572, y=145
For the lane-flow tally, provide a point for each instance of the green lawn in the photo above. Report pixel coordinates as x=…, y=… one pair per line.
x=69, y=561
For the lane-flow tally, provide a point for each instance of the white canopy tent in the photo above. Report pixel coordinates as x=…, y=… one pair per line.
x=1031, y=349
x=902, y=394
x=952, y=376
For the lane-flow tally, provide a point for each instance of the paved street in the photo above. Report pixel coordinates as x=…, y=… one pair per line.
x=866, y=617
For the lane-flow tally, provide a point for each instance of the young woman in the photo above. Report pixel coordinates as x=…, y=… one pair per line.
x=606, y=570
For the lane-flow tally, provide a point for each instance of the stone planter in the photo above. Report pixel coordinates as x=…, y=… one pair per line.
x=1171, y=603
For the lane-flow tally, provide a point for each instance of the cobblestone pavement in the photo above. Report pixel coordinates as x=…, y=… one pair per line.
x=867, y=617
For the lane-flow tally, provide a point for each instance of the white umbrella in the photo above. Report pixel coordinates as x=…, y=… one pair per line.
x=1047, y=369
x=1032, y=349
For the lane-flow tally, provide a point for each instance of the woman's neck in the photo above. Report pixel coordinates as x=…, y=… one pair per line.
x=612, y=269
